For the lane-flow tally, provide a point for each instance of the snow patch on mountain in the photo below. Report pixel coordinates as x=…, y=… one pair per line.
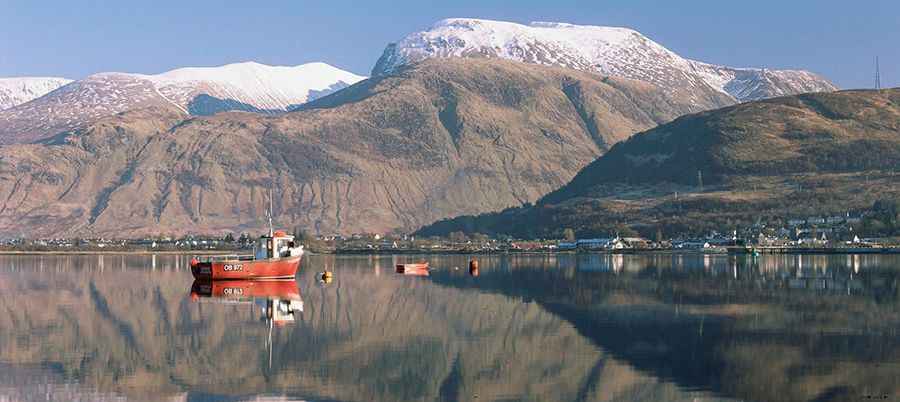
x=613, y=51
x=18, y=90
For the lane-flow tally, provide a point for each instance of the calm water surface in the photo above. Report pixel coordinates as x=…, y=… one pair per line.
x=542, y=328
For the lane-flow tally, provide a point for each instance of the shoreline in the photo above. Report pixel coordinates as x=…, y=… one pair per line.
x=117, y=252
x=735, y=252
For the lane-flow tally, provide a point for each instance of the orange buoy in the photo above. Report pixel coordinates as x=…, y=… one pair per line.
x=473, y=267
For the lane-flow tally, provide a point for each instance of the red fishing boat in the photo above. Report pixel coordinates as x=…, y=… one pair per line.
x=275, y=255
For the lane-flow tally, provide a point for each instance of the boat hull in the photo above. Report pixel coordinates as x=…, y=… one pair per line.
x=255, y=269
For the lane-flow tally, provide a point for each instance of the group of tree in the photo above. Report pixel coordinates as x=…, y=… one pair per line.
x=883, y=220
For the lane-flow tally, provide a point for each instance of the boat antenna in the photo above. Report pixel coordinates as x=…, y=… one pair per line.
x=269, y=215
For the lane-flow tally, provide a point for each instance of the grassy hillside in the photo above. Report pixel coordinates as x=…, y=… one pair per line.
x=810, y=154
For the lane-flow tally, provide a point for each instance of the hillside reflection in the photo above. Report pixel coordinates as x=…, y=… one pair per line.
x=771, y=328
x=559, y=327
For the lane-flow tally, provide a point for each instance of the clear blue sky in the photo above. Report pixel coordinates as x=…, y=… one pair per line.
x=838, y=39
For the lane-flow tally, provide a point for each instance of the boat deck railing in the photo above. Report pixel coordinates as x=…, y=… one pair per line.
x=227, y=257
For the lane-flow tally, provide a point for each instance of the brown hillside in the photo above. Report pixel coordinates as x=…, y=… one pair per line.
x=439, y=139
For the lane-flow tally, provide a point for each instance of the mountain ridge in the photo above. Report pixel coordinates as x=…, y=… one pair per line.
x=247, y=86
x=613, y=51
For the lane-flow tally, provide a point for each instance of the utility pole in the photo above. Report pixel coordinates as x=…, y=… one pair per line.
x=877, y=75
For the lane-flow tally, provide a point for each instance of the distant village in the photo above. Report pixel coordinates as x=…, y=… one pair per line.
x=822, y=233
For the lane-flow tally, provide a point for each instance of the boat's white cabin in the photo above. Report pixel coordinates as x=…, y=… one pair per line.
x=279, y=245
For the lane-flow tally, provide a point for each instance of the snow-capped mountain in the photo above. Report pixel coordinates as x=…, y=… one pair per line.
x=193, y=91
x=16, y=91
x=610, y=51
x=268, y=88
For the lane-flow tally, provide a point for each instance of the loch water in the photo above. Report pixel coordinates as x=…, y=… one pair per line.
x=564, y=327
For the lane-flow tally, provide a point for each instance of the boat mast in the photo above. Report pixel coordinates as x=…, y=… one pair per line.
x=269, y=215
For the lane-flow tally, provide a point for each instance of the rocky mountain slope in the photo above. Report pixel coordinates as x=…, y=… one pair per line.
x=193, y=91
x=18, y=90
x=618, y=52
x=439, y=139
x=811, y=154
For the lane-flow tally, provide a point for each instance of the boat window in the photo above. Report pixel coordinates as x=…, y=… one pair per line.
x=281, y=248
x=260, y=251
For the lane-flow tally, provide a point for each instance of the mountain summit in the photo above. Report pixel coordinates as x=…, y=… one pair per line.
x=611, y=51
x=194, y=91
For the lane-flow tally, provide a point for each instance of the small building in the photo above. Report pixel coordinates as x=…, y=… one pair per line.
x=387, y=244
x=601, y=244
x=832, y=220
x=636, y=242
x=527, y=245
x=694, y=245
x=810, y=242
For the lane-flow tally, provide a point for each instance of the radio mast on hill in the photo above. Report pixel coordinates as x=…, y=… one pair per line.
x=877, y=75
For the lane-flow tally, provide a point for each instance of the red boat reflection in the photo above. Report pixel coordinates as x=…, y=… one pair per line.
x=238, y=289
x=414, y=269
x=281, y=297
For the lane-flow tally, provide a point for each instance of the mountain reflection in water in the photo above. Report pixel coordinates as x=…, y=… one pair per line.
x=544, y=328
